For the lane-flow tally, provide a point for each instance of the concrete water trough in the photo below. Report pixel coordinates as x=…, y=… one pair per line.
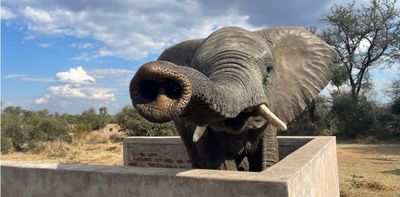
x=308, y=167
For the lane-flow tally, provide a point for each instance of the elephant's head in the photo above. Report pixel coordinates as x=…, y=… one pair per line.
x=234, y=80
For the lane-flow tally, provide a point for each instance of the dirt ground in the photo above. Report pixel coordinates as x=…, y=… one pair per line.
x=369, y=170
x=364, y=170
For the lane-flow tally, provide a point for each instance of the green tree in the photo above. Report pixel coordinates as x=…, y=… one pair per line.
x=90, y=117
x=394, y=93
x=364, y=38
x=103, y=111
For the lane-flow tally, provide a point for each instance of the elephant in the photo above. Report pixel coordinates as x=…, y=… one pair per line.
x=230, y=93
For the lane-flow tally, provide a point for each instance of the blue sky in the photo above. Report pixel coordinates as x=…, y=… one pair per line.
x=67, y=56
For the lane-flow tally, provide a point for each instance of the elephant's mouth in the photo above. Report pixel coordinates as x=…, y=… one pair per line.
x=247, y=120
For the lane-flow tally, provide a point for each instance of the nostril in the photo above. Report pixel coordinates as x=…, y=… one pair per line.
x=160, y=91
x=148, y=89
x=172, y=88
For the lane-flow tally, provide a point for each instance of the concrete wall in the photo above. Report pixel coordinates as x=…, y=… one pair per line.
x=170, y=152
x=309, y=171
x=161, y=152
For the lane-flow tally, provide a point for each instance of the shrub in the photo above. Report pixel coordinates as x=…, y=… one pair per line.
x=26, y=128
x=135, y=125
x=355, y=116
x=6, y=145
x=53, y=130
x=366, y=139
x=96, y=121
x=315, y=120
x=79, y=129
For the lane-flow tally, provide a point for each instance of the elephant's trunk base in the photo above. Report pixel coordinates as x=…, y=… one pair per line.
x=159, y=92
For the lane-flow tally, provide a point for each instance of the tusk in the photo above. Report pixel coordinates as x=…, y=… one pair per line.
x=272, y=118
x=198, y=133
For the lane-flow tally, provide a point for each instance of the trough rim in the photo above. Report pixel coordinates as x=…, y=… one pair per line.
x=281, y=172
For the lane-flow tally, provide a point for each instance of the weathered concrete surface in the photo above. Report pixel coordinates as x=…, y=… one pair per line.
x=170, y=152
x=309, y=171
x=161, y=152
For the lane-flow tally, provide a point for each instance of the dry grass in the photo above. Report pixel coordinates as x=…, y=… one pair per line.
x=94, y=148
x=97, y=137
x=369, y=170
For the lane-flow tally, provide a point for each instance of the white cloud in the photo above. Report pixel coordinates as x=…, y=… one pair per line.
x=82, y=45
x=363, y=46
x=67, y=90
x=6, y=13
x=26, y=77
x=71, y=91
x=64, y=103
x=13, y=76
x=38, y=79
x=330, y=88
x=128, y=29
x=75, y=75
x=40, y=101
x=97, y=93
x=45, y=45
x=36, y=15
x=110, y=72
x=79, y=87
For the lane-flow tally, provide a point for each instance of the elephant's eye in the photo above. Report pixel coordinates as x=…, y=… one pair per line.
x=269, y=68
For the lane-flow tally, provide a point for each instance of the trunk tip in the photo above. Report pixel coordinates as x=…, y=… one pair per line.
x=159, y=91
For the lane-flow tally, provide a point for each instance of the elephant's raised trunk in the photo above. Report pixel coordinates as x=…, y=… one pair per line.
x=159, y=92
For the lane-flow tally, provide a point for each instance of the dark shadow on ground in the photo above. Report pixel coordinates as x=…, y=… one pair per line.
x=395, y=172
x=380, y=149
x=381, y=159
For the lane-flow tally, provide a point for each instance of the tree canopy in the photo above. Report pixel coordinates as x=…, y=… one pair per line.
x=364, y=38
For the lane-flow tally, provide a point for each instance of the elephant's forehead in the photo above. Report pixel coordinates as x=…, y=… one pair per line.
x=231, y=44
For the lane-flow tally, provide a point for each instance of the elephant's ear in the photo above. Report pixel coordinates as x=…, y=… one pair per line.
x=303, y=64
x=181, y=53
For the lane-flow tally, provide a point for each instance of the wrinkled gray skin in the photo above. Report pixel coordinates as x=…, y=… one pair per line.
x=221, y=80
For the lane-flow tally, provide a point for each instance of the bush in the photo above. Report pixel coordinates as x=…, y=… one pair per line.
x=79, y=129
x=90, y=117
x=6, y=145
x=360, y=119
x=366, y=139
x=355, y=116
x=395, y=106
x=19, y=134
x=135, y=125
x=26, y=128
x=54, y=130
x=315, y=120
